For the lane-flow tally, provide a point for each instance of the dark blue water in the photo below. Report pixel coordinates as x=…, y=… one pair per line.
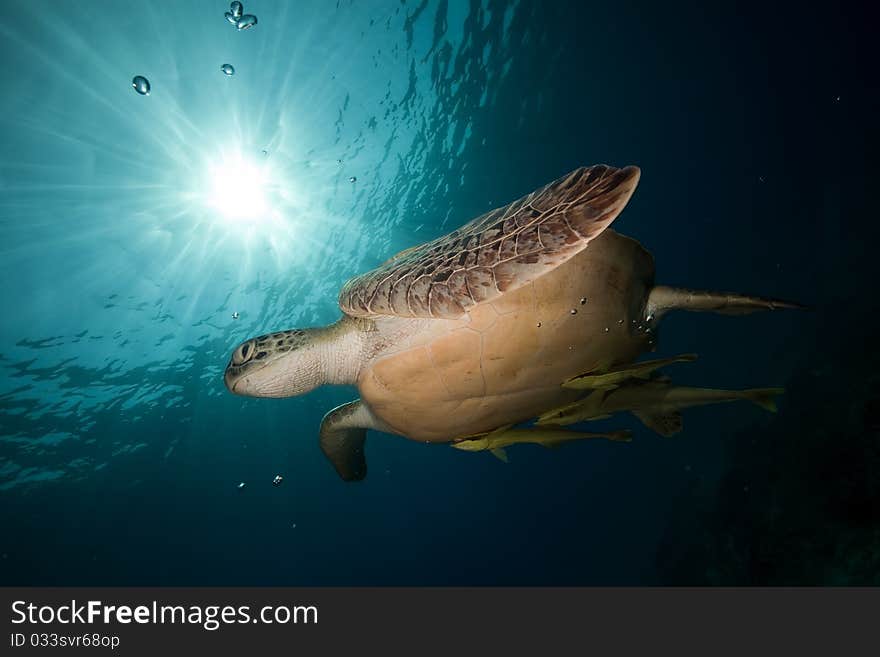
x=123, y=256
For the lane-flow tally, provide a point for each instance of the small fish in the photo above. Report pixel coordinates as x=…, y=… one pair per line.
x=620, y=373
x=657, y=404
x=495, y=441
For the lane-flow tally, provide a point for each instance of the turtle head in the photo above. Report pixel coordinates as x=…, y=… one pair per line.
x=291, y=363
x=282, y=364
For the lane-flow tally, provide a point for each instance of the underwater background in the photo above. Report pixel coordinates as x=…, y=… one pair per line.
x=360, y=128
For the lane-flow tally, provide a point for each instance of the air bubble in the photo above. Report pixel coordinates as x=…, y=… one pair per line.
x=353, y=179
x=574, y=311
x=246, y=22
x=235, y=315
x=539, y=324
x=141, y=85
x=583, y=300
x=228, y=69
x=240, y=485
x=277, y=480
x=229, y=17
x=236, y=8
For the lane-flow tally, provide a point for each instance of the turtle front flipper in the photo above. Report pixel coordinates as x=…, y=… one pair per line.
x=343, y=434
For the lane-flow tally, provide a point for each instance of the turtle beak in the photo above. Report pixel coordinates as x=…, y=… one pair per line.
x=230, y=380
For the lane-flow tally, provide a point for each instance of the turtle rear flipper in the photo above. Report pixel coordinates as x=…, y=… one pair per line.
x=663, y=299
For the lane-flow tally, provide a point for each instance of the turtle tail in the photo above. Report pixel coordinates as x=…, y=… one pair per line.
x=662, y=299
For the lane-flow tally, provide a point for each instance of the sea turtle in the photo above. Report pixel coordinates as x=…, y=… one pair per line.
x=480, y=328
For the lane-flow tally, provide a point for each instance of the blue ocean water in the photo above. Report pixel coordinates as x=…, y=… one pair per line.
x=358, y=129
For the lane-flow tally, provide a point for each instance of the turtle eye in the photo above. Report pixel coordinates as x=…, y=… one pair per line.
x=241, y=354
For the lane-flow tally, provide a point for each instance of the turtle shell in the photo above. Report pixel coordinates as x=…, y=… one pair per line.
x=495, y=253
